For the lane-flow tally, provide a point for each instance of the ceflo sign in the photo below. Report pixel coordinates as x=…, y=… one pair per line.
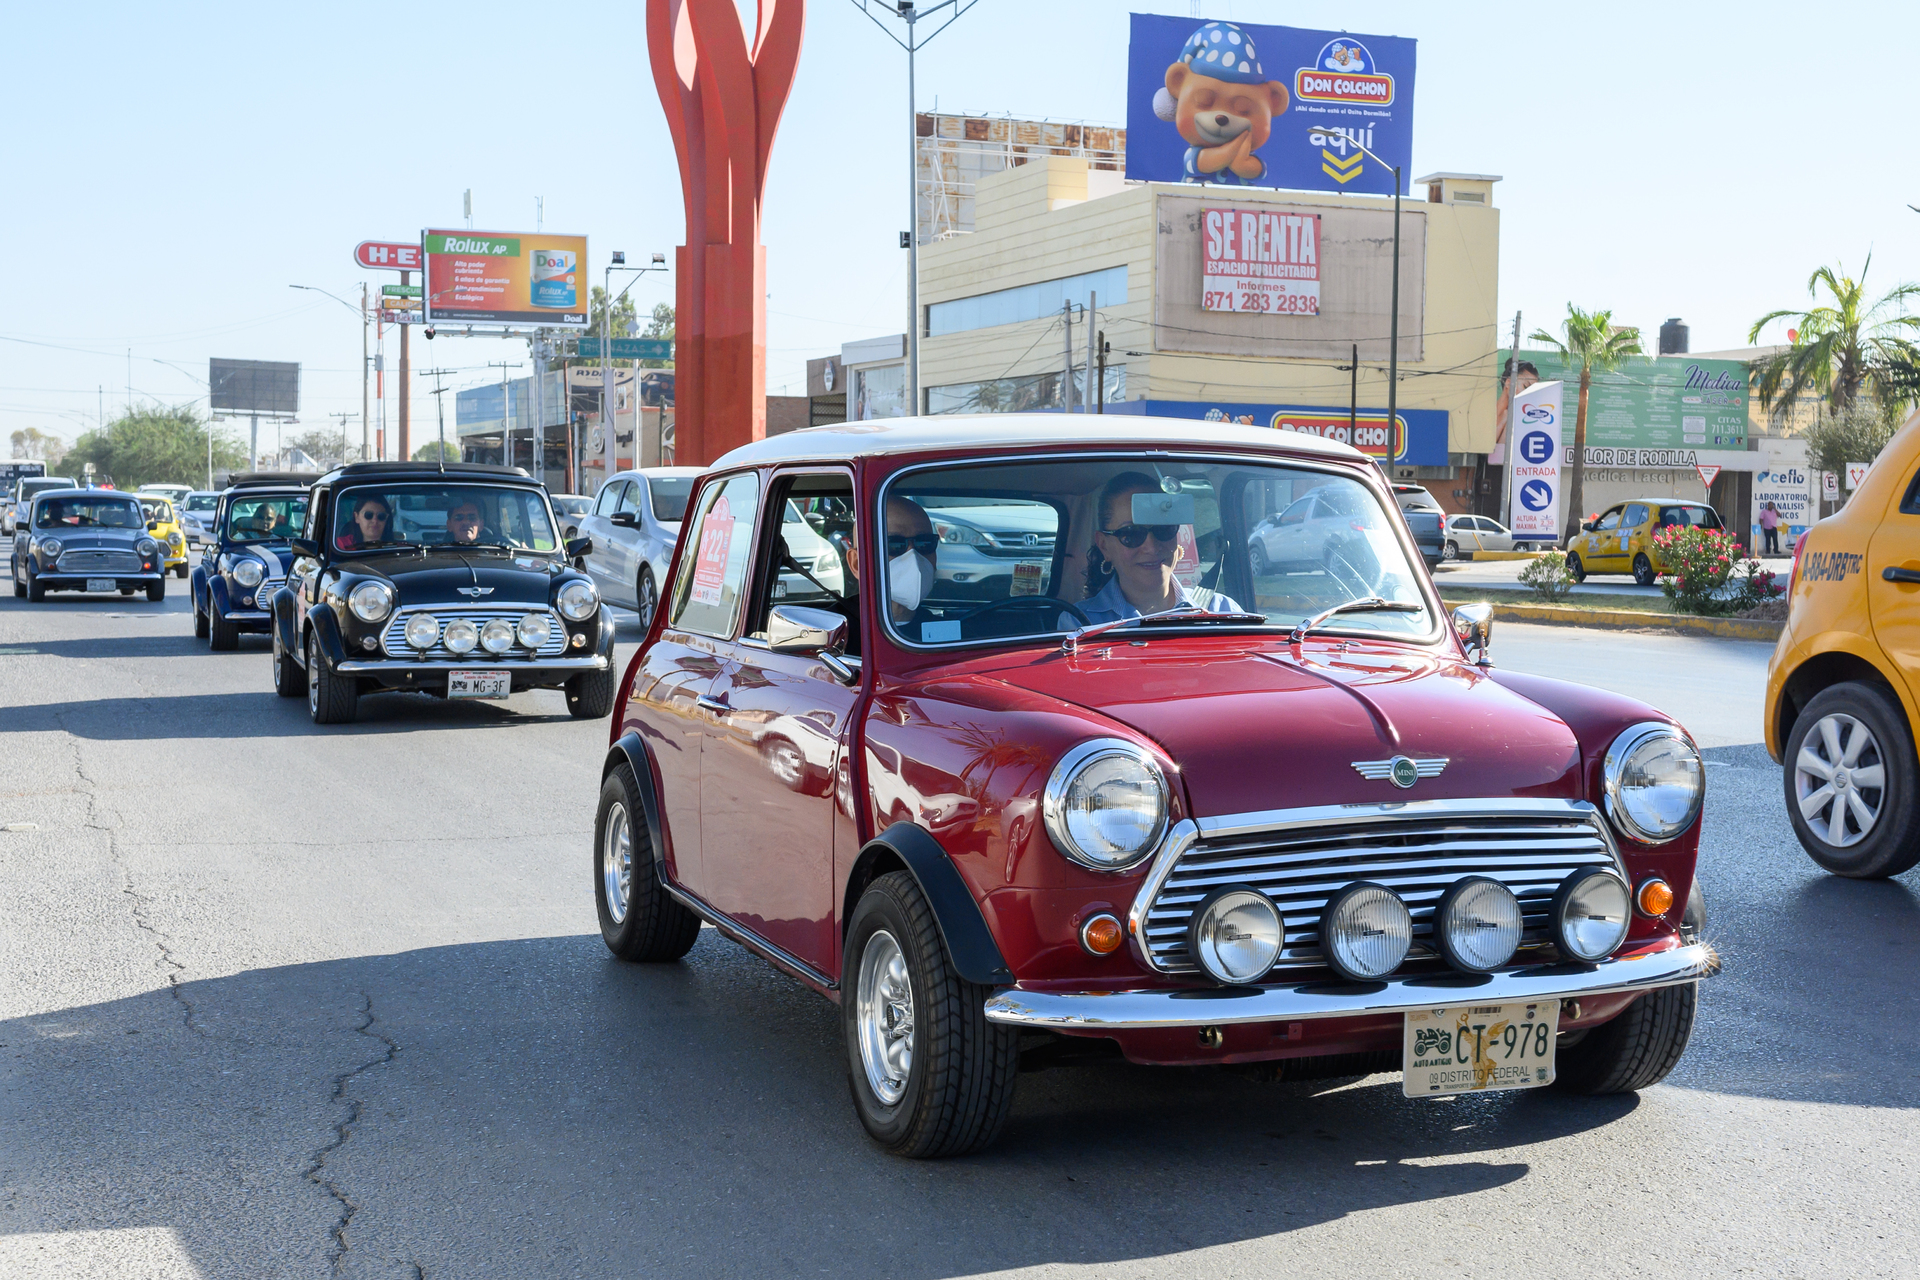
x=503, y=278
x=1537, y=497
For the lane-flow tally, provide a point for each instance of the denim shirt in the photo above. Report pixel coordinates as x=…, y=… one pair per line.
x=1109, y=604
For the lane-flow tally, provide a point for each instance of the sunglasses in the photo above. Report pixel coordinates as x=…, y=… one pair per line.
x=899, y=543
x=1132, y=535
x=380, y=516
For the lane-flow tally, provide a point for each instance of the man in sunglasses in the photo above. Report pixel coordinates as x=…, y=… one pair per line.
x=1140, y=558
x=913, y=553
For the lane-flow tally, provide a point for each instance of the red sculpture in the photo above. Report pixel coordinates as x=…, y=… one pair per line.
x=723, y=104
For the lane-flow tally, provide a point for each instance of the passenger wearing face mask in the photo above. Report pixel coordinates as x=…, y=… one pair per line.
x=912, y=551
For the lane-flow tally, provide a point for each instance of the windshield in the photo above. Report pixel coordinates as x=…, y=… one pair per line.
x=443, y=514
x=89, y=512
x=567, y=505
x=40, y=485
x=157, y=509
x=1008, y=550
x=266, y=517
x=202, y=501
x=670, y=494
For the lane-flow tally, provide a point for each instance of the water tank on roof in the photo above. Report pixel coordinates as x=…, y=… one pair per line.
x=1673, y=338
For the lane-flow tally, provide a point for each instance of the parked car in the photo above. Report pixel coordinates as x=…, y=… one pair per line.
x=569, y=507
x=485, y=605
x=172, y=492
x=249, y=555
x=1843, y=685
x=1620, y=539
x=1468, y=534
x=634, y=524
x=21, y=498
x=1425, y=520
x=196, y=515
x=1297, y=817
x=86, y=540
x=164, y=524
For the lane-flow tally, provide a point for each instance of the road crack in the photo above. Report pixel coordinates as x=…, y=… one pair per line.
x=315, y=1170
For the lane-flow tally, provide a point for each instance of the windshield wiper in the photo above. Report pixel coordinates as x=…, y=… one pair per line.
x=1369, y=604
x=1188, y=614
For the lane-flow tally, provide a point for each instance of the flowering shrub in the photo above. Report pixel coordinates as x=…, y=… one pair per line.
x=1547, y=575
x=1708, y=572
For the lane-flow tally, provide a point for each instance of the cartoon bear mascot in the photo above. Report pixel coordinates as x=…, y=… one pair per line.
x=1222, y=103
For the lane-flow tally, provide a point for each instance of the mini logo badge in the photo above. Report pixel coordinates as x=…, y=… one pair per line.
x=1401, y=771
x=474, y=591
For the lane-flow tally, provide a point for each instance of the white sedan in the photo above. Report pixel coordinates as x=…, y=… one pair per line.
x=1468, y=534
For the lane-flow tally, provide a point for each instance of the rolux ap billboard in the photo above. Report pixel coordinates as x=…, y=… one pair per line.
x=510, y=278
x=1236, y=104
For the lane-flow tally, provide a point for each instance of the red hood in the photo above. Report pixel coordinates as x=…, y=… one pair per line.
x=1259, y=726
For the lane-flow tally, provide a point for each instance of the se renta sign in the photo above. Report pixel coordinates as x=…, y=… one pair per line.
x=1419, y=439
x=1537, y=498
x=1240, y=104
x=1260, y=260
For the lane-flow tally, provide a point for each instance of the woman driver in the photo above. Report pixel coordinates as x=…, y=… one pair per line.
x=371, y=518
x=1141, y=559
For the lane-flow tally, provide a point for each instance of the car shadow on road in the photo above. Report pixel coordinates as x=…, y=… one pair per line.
x=135, y=645
x=534, y=1106
x=266, y=715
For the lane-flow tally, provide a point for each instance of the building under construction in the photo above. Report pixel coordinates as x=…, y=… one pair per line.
x=954, y=152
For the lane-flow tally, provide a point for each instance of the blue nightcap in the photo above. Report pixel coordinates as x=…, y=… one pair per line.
x=1224, y=51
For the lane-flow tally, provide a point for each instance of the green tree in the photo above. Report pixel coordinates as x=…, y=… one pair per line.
x=624, y=322
x=324, y=447
x=155, y=446
x=432, y=449
x=1854, y=435
x=1845, y=346
x=1593, y=345
x=31, y=442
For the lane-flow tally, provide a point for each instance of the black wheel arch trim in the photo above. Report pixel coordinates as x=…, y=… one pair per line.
x=325, y=629
x=628, y=747
x=970, y=945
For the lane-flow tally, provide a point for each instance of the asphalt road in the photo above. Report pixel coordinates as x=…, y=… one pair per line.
x=290, y=1002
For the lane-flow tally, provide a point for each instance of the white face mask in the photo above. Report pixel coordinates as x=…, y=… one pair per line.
x=909, y=574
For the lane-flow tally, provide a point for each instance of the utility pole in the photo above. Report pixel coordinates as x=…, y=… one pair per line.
x=1100, y=397
x=1506, y=469
x=1093, y=313
x=1066, y=388
x=366, y=377
x=506, y=410
x=440, y=404
x=1353, y=397
x=406, y=385
x=344, y=419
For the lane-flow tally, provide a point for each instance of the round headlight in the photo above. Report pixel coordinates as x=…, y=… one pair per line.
x=147, y=547
x=578, y=600
x=497, y=636
x=1477, y=927
x=1106, y=804
x=1366, y=931
x=422, y=630
x=1236, y=934
x=461, y=636
x=173, y=539
x=533, y=631
x=248, y=572
x=1590, y=914
x=371, y=601
x=1654, y=782
x=50, y=548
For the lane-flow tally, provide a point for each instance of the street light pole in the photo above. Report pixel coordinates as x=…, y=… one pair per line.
x=362, y=312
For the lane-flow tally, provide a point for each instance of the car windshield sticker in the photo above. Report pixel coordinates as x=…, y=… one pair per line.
x=1026, y=578
x=939, y=632
x=1830, y=566
x=716, y=537
x=1186, y=565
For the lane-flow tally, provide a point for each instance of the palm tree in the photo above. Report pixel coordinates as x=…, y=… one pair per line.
x=1844, y=347
x=1592, y=345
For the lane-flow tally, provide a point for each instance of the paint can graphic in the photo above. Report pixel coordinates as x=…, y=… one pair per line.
x=553, y=279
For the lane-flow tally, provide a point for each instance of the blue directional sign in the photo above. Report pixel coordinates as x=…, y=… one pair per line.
x=1536, y=446
x=1536, y=495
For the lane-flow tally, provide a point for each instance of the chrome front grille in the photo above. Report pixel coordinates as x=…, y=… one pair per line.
x=1302, y=858
x=98, y=561
x=394, y=640
x=262, y=595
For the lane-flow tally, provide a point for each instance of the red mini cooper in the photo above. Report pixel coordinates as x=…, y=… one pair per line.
x=995, y=732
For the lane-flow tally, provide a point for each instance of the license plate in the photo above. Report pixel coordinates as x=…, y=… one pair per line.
x=103, y=584
x=1479, y=1048
x=479, y=684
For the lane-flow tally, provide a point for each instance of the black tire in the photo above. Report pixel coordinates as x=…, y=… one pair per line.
x=180, y=572
x=19, y=589
x=1888, y=845
x=647, y=596
x=157, y=591
x=289, y=681
x=35, y=592
x=652, y=927
x=590, y=694
x=222, y=636
x=960, y=1075
x=1450, y=552
x=199, y=621
x=1635, y=1050
x=1576, y=570
x=331, y=699
x=1643, y=574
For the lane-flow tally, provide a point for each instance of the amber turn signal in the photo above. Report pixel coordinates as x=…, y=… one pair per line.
x=1654, y=897
x=1102, y=935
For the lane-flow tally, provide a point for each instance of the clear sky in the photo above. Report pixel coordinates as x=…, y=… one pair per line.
x=171, y=170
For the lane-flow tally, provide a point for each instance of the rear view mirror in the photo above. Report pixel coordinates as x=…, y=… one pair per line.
x=1163, y=508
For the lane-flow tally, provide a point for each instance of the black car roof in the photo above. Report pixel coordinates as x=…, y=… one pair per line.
x=277, y=479
x=414, y=470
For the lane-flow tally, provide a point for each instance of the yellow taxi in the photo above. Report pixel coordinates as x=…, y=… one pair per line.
x=164, y=524
x=1620, y=539
x=1843, y=687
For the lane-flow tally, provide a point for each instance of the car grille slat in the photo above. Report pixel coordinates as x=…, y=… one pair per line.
x=90, y=560
x=394, y=640
x=1417, y=857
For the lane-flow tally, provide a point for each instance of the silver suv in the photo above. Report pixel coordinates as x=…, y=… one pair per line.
x=634, y=524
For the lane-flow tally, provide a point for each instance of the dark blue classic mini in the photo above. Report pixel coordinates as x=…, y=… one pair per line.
x=247, y=558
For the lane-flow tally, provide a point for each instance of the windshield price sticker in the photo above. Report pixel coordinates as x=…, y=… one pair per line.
x=1479, y=1048
x=710, y=565
x=1260, y=261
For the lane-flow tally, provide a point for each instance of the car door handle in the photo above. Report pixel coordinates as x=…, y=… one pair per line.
x=1892, y=574
x=715, y=705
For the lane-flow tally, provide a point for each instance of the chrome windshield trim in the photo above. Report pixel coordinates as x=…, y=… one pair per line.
x=1221, y=1006
x=1188, y=832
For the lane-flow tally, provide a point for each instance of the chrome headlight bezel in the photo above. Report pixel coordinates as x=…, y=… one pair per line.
x=1056, y=803
x=1218, y=957
x=577, y=600
x=51, y=548
x=422, y=631
x=1391, y=921
x=147, y=547
x=1581, y=881
x=1618, y=780
x=460, y=637
x=496, y=636
x=1496, y=919
x=247, y=571
x=371, y=602
x=533, y=631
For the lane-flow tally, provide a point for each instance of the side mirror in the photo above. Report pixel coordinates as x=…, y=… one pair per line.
x=1473, y=623
x=152, y=525
x=304, y=547
x=813, y=633
x=625, y=519
x=577, y=547
x=1590, y=526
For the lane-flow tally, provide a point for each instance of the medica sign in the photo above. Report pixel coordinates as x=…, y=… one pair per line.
x=1537, y=499
x=1260, y=260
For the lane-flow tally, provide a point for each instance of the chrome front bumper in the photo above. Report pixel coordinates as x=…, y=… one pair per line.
x=486, y=661
x=1220, y=1006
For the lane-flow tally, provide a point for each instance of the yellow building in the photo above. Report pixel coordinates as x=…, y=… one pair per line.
x=1056, y=232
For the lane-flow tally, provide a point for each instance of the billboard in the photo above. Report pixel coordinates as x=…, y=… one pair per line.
x=1537, y=496
x=1418, y=439
x=1669, y=402
x=253, y=386
x=1237, y=104
x=505, y=278
x=1260, y=260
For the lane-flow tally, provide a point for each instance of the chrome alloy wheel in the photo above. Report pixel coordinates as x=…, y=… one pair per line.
x=1839, y=779
x=616, y=863
x=313, y=679
x=884, y=1015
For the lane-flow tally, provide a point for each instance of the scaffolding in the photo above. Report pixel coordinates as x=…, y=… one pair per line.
x=952, y=154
